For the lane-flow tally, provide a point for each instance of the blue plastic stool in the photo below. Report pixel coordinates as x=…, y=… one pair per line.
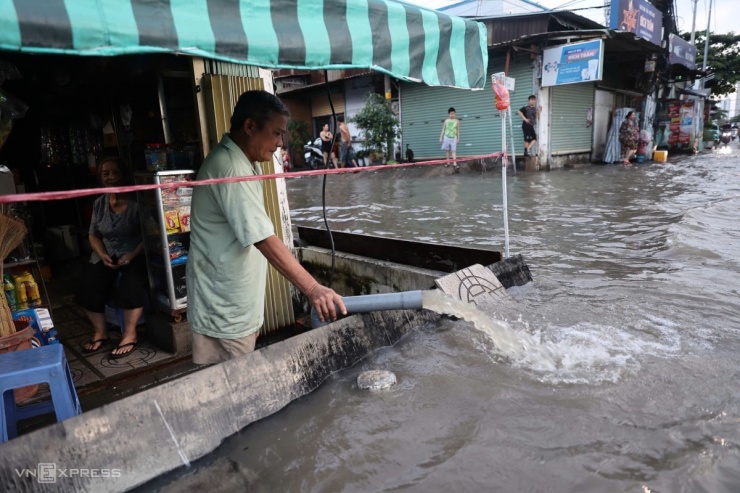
x=46, y=364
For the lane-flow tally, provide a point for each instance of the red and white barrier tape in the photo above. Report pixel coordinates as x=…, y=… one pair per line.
x=71, y=194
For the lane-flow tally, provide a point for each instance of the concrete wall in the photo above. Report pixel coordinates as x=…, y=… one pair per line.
x=166, y=427
x=570, y=160
x=355, y=275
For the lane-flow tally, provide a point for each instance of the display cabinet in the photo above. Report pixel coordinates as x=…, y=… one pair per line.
x=165, y=222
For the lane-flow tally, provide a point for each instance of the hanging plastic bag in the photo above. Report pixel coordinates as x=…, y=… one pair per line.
x=502, y=94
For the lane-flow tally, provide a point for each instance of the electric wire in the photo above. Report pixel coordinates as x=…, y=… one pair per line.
x=323, y=186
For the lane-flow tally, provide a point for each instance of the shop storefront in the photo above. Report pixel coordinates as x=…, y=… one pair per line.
x=160, y=114
x=80, y=110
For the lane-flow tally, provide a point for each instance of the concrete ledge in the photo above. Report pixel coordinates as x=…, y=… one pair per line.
x=160, y=429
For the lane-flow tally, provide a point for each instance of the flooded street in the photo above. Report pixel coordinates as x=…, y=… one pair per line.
x=635, y=308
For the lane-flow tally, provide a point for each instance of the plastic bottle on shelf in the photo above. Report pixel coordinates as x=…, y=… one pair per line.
x=9, y=289
x=26, y=290
x=156, y=157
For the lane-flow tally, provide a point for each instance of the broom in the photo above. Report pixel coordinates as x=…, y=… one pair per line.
x=12, y=232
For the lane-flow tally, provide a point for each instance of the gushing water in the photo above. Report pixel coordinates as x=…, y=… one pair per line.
x=512, y=345
x=559, y=353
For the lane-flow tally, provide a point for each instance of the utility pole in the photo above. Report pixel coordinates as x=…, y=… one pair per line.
x=706, y=39
x=693, y=23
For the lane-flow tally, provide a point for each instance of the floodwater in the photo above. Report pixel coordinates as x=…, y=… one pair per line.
x=632, y=330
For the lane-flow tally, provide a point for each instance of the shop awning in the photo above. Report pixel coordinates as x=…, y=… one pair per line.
x=399, y=39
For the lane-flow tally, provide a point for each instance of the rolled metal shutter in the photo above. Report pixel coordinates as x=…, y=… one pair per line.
x=570, y=132
x=320, y=104
x=423, y=109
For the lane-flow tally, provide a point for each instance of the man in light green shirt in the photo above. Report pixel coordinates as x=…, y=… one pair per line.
x=232, y=239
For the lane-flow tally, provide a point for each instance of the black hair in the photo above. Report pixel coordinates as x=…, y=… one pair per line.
x=450, y=110
x=258, y=105
x=340, y=119
x=126, y=176
x=532, y=97
x=629, y=114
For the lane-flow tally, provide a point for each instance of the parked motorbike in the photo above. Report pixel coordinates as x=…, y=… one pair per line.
x=313, y=155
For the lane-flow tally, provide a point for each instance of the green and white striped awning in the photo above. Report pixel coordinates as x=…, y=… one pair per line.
x=396, y=38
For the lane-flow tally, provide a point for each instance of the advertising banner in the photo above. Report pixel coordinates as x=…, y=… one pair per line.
x=681, y=123
x=639, y=17
x=681, y=52
x=572, y=63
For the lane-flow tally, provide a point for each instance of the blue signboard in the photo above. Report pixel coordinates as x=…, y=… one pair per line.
x=681, y=52
x=639, y=17
x=572, y=63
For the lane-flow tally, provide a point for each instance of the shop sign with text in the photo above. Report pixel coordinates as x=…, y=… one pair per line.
x=572, y=63
x=639, y=17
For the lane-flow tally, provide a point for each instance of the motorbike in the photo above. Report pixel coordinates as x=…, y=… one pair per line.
x=313, y=155
x=725, y=135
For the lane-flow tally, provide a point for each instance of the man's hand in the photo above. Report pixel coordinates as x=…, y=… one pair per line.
x=323, y=299
x=326, y=302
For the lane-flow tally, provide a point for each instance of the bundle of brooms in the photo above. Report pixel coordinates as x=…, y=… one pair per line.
x=12, y=232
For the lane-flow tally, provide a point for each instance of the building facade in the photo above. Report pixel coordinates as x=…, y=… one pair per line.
x=575, y=118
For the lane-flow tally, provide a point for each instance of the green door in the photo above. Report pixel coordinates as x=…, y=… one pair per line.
x=571, y=129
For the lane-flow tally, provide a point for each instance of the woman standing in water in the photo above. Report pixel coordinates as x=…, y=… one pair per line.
x=628, y=137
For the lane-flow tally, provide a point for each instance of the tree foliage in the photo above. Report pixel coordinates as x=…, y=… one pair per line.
x=723, y=59
x=297, y=134
x=377, y=122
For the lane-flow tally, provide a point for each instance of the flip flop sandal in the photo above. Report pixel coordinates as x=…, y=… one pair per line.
x=103, y=342
x=133, y=345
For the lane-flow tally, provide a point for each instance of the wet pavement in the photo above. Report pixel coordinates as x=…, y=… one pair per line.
x=97, y=378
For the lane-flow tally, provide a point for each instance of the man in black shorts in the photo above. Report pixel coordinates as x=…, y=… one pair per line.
x=529, y=114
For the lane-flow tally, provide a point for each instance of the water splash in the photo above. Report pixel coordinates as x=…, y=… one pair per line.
x=580, y=353
x=509, y=344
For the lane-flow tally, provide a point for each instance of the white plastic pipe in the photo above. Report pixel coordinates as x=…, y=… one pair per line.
x=407, y=300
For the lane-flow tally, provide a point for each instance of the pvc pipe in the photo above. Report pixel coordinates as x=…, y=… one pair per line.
x=407, y=300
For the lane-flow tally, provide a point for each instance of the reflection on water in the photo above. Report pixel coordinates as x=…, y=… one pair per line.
x=633, y=322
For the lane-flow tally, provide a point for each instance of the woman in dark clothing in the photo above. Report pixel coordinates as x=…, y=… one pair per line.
x=326, y=142
x=117, y=270
x=628, y=137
